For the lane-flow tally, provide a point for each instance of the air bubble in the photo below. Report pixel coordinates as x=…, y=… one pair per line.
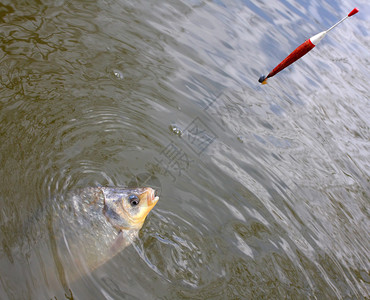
x=118, y=74
x=174, y=129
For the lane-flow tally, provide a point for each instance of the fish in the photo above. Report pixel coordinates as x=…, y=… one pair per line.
x=94, y=224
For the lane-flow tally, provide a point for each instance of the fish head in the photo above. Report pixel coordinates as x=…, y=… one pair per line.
x=127, y=209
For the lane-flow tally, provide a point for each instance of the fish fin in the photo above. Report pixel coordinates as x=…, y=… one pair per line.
x=119, y=243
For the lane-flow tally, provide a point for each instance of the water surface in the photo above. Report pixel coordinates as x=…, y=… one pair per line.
x=264, y=190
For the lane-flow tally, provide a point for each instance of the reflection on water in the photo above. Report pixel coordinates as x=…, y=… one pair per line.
x=264, y=189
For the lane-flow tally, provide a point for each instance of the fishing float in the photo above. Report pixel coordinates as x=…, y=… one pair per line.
x=303, y=49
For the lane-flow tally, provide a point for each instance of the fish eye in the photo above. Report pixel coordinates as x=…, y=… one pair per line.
x=134, y=200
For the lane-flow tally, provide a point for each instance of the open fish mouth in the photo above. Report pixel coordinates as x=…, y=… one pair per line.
x=152, y=198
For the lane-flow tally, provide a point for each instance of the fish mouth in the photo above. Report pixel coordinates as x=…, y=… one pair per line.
x=152, y=198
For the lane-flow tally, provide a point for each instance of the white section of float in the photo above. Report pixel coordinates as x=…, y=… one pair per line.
x=317, y=37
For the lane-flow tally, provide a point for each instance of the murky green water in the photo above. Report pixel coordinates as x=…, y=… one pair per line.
x=264, y=190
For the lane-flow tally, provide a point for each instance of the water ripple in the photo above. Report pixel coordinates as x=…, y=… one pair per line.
x=275, y=207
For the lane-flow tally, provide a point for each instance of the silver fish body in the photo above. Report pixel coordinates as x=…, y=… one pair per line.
x=93, y=224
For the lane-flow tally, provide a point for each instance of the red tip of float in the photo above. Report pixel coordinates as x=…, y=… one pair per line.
x=353, y=12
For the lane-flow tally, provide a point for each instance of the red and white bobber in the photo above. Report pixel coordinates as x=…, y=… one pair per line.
x=302, y=49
